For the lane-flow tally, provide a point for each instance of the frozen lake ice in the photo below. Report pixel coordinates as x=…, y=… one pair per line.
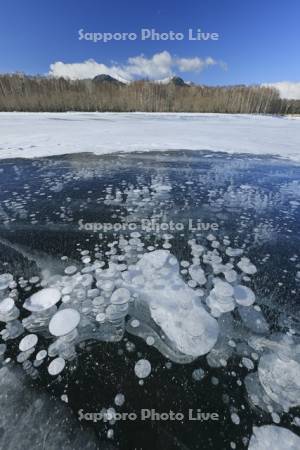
x=166, y=280
x=29, y=135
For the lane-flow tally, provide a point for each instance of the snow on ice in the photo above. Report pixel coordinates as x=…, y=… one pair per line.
x=29, y=135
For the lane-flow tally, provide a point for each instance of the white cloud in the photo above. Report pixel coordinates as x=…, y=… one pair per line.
x=160, y=65
x=194, y=64
x=86, y=69
x=287, y=89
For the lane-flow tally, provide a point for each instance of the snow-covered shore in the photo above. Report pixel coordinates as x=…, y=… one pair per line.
x=43, y=134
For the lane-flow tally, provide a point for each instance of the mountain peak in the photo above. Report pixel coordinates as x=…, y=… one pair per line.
x=177, y=81
x=104, y=78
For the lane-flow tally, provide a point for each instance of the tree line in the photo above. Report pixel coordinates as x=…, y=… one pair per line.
x=19, y=92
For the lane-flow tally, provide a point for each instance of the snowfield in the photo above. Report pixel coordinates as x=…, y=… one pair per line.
x=31, y=135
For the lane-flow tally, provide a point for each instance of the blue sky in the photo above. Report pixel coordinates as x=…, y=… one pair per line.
x=259, y=39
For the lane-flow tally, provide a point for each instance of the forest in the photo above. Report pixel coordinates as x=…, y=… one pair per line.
x=19, y=92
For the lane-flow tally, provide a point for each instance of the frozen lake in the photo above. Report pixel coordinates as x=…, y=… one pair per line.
x=213, y=325
x=28, y=135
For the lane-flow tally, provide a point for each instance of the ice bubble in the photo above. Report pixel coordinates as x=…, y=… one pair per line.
x=119, y=399
x=135, y=323
x=64, y=321
x=257, y=395
x=246, y=266
x=67, y=290
x=253, y=319
x=247, y=363
x=86, y=280
x=219, y=355
x=222, y=288
x=70, y=270
x=198, y=374
x=41, y=355
x=184, y=264
x=235, y=419
x=296, y=421
x=107, y=285
x=66, y=299
x=101, y=317
x=28, y=342
x=275, y=417
x=155, y=260
x=42, y=300
x=219, y=305
x=120, y=296
x=6, y=305
x=34, y=280
x=243, y=295
x=86, y=259
x=215, y=381
x=37, y=363
x=110, y=433
x=23, y=356
x=116, y=312
x=5, y=279
x=150, y=340
x=197, y=274
x=230, y=275
x=210, y=237
x=99, y=301
x=93, y=293
x=2, y=349
x=56, y=366
x=189, y=328
x=234, y=251
x=273, y=437
x=130, y=347
x=135, y=234
x=142, y=368
x=279, y=375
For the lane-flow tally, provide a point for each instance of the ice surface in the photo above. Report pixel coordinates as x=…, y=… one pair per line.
x=43, y=134
x=32, y=419
x=273, y=437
